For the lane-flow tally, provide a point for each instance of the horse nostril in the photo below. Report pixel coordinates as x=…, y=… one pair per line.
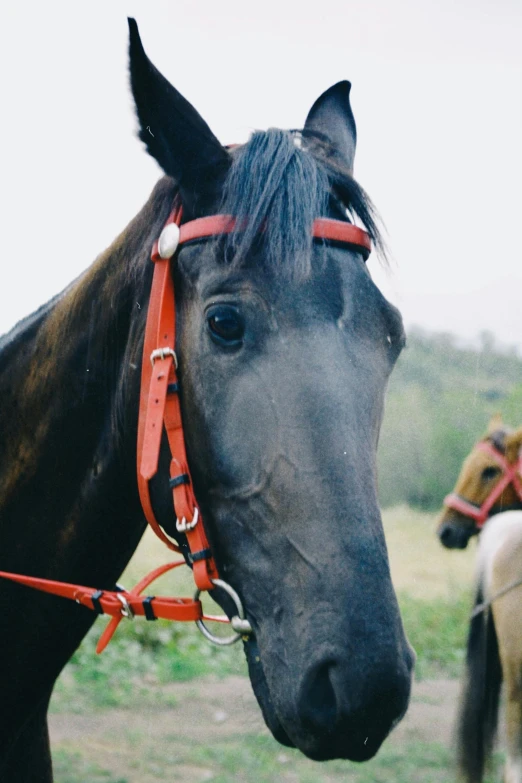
x=317, y=702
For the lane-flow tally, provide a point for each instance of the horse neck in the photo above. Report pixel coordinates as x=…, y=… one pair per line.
x=69, y=381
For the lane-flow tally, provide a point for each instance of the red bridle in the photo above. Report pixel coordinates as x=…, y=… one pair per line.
x=511, y=475
x=160, y=411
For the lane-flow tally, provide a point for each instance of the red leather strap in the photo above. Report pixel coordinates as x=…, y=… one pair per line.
x=347, y=233
x=183, y=609
x=158, y=409
x=154, y=381
x=115, y=602
x=462, y=505
x=323, y=228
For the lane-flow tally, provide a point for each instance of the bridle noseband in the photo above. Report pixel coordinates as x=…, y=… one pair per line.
x=159, y=411
x=512, y=474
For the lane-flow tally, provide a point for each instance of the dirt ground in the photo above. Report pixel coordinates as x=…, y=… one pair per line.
x=219, y=710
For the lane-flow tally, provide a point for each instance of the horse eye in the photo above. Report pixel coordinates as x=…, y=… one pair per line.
x=489, y=473
x=226, y=325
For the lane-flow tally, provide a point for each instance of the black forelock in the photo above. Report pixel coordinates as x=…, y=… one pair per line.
x=276, y=188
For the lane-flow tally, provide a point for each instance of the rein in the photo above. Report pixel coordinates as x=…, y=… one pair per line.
x=160, y=410
x=479, y=608
x=512, y=474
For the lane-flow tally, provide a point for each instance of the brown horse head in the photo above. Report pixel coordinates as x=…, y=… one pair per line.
x=479, y=491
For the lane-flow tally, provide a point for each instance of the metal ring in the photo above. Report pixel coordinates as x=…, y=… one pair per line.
x=238, y=622
x=126, y=610
x=160, y=353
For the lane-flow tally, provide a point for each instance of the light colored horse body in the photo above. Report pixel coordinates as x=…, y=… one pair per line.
x=489, y=484
x=494, y=652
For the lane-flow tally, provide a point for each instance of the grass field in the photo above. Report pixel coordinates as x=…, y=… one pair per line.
x=181, y=709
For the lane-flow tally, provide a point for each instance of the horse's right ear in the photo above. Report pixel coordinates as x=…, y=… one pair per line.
x=331, y=117
x=495, y=424
x=173, y=131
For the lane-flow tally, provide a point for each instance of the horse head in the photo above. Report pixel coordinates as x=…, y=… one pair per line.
x=285, y=346
x=489, y=482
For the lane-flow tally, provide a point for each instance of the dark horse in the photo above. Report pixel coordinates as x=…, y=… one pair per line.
x=285, y=348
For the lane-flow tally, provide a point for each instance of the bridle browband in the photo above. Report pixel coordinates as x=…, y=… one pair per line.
x=512, y=474
x=323, y=228
x=159, y=411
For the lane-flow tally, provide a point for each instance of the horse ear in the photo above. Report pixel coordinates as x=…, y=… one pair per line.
x=331, y=117
x=174, y=133
x=495, y=424
x=514, y=445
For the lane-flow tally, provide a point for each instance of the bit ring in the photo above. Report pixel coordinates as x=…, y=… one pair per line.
x=238, y=622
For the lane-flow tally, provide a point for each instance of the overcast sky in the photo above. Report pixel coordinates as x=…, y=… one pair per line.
x=437, y=96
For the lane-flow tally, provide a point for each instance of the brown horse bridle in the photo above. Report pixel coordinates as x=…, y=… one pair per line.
x=512, y=474
x=160, y=411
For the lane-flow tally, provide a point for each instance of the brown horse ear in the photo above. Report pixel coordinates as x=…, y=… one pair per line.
x=514, y=445
x=495, y=424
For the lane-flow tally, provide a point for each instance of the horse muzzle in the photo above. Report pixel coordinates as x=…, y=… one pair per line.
x=331, y=710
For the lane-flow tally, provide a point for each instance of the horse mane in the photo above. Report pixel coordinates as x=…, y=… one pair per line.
x=278, y=183
x=14, y=340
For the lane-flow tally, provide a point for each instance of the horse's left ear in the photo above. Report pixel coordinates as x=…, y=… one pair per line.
x=174, y=133
x=495, y=423
x=331, y=117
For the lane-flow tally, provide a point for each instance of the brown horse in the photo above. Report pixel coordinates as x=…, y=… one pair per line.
x=490, y=482
x=285, y=346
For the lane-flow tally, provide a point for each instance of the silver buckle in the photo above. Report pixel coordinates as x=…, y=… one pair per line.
x=161, y=353
x=182, y=525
